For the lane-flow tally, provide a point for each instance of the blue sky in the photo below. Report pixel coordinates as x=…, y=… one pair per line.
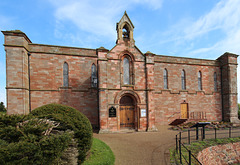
x=187, y=28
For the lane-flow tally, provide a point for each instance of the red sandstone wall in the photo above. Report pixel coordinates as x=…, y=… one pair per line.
x=16, y=44
x=168, y=102
x=221, y=154
x=47, y=79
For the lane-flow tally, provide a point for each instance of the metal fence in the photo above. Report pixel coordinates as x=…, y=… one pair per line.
x=192, y=135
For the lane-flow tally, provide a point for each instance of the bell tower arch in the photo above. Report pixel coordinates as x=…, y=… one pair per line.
x=125, y=29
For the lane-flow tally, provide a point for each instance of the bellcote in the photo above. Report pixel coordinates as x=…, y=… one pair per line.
x=125, y=29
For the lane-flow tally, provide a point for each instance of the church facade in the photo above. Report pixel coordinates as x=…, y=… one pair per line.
x=121, y=88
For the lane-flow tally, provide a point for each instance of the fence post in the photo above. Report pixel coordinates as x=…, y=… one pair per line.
x=176, y=144
x=188, y=136
x=189, y=156
x=180, y=136
x=180, y=151
x=197, y=133
x=229, y=132
x=215, y=129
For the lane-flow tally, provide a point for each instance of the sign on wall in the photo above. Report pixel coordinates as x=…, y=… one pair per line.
x=112, y=112
x=143, y=113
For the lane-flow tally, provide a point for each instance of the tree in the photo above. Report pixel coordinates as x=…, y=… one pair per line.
x=2, y=107
x=238, y=110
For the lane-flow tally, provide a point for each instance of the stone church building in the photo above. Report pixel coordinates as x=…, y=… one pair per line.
x=121, y=88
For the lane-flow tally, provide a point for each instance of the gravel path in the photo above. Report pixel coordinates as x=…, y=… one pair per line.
x=140, y=148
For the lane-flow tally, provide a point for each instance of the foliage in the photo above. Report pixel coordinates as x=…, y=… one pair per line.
x=239, y=111
x=69, y=118
x=2, y=107
x=100, y=154
x=30, y=142
x=10, y=120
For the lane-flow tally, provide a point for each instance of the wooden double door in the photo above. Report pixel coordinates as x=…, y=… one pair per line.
x=127, y=116
x=127, y=112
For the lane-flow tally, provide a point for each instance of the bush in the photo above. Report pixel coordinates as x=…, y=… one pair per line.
x=69, y=118
x=239, y=111
x=10, y=120
x=30, y=141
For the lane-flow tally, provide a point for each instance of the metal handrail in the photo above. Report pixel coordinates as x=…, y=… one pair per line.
x=179, y=138
x=173, y=114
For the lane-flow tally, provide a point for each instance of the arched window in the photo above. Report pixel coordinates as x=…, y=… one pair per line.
x=165, y=78
x=65, y=74
x=199, y=81
x=126, y=71
x=183, y=77
x=215, y=81
x=94, y=76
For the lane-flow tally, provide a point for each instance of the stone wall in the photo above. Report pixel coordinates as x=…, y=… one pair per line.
x=46, y=78
x=202, y=104
x=221, y=154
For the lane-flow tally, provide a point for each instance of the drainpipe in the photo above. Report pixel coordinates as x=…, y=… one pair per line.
x=29, y=91
x=146, y=82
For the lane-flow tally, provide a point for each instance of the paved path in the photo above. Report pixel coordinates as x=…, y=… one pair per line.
x=140, y=148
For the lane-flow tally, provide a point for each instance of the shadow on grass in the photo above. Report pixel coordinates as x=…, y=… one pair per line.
x=100, y=153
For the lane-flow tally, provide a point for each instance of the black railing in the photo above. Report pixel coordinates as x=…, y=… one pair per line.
x=189, y=137
x=190, y=155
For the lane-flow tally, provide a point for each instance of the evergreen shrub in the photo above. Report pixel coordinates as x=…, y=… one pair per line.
x=238, y=110
x=31, y=141
x=69, y=118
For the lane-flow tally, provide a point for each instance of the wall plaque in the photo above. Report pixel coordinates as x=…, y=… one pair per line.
x=112, y=112
x=143, y=113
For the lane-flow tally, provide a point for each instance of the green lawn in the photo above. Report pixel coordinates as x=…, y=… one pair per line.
x=100, y=154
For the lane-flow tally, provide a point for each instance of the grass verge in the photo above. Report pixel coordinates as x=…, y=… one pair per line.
x=100, y=154
x=196, y=147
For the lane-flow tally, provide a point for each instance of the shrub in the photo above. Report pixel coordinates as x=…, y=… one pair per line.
x=72, y=119
x=239, y=111
x=30, y=141
x=10, y=120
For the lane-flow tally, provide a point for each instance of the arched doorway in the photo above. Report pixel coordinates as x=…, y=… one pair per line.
x=127, y=112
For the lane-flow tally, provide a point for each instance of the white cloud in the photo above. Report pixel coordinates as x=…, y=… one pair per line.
x=154, y=4
x=224, y=16
x=97, y=17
